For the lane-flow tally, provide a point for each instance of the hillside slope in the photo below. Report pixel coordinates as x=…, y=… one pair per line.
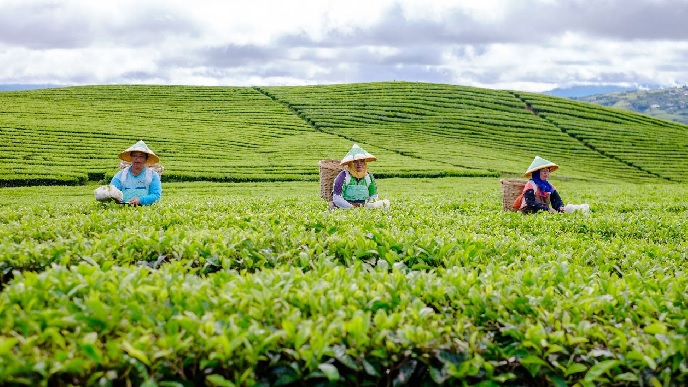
x=668, y=104
x=70, y=135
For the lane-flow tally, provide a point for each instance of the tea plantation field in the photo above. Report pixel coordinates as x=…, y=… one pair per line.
x=240, y=276
x=258, y=284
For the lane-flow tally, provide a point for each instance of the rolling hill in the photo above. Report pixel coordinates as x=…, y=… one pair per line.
x=668, y=104
x=72, y=135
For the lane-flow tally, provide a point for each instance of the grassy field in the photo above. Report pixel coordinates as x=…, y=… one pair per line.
x=240, y=276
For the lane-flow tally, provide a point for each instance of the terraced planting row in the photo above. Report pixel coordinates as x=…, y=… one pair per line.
x=239, y=134
x=642, y=141
x=473, y=128
x=200, y=133
x=241, y=284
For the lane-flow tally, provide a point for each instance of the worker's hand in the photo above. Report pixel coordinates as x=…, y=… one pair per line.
x=135, y=202
x=552, y=210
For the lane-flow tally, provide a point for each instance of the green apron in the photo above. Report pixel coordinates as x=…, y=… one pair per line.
x=355, y=192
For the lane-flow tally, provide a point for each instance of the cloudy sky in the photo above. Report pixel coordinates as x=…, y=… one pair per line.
x=529, y=45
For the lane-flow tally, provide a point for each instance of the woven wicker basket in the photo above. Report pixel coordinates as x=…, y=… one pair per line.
x=329, y=169
x=511, y=188
x=156, y=167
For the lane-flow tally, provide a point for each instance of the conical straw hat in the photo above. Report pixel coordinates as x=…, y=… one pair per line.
x=140, y=147
x=539, y=163
x=357, y=153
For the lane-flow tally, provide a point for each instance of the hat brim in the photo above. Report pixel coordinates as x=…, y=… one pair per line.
x=552, y=167
x=347, y=160
x=151, y=160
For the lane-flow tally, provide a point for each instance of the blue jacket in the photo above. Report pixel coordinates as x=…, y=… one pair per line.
x=146, y=185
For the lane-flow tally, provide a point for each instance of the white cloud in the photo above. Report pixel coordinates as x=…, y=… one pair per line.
x=530, y=45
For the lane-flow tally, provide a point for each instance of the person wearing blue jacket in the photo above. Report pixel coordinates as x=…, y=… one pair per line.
x=139, y=183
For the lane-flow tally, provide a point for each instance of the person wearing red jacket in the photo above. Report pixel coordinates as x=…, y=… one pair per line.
x=538, y=193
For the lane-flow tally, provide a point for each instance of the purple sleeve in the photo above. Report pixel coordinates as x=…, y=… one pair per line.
x=338, y=183
x=337, y=198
